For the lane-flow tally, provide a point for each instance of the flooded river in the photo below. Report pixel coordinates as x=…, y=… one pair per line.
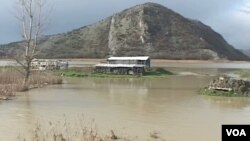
x=130, y=107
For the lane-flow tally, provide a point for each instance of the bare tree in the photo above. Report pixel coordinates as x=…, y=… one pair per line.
x=31, y=17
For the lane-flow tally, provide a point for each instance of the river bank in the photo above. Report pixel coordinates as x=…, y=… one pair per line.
x=11, y=81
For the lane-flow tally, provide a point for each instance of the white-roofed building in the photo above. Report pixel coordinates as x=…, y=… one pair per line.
x=45, y=64
x=142, y=60
x=124, y=65
x=130, y=58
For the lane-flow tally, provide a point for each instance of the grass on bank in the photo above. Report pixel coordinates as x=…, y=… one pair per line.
x=79, y=130
x=89, y=72
x=243, y=73
x=11, y=81
x=206, y=91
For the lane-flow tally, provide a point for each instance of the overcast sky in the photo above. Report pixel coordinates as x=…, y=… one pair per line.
x=231, y=18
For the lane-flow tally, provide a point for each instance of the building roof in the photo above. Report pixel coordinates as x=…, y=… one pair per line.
x=130, y=58
x=119, y=65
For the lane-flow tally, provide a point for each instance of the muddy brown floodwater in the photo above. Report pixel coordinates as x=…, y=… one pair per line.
x=131, y=107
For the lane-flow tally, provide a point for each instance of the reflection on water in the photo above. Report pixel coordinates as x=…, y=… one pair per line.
x=135, y=107
x=202, y=71
x=230, y=102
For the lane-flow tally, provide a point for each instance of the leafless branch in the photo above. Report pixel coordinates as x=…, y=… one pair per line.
x=31, y=19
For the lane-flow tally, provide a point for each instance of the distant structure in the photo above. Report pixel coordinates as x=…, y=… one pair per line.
x=125, y=65
x=44, y=64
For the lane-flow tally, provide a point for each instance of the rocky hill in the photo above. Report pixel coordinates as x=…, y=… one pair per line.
x=147, y=29
x=246, y=52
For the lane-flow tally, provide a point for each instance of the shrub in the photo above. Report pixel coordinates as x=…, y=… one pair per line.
x=11, y=81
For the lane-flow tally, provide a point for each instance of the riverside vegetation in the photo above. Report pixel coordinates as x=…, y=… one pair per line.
x=81, y=130
x=243, y=73
x=12, y=81
x=226, y=86
x=89, y=72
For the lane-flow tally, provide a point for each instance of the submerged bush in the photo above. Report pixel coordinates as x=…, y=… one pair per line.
x=81, y=130
x=11, y=81
x=78, y=130
x=206, y=91
x=226, y=86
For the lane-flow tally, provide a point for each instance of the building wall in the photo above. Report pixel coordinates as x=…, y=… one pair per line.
x=123, y=62
x=142, y=62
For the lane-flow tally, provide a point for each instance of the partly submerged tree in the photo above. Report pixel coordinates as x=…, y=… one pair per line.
x=31, y=18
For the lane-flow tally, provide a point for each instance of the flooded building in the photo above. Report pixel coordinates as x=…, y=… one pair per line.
x=44, y=64
x=140, y=60
x=124, y=65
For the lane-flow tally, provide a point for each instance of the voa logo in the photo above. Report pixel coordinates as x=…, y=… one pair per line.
x=236, y=132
